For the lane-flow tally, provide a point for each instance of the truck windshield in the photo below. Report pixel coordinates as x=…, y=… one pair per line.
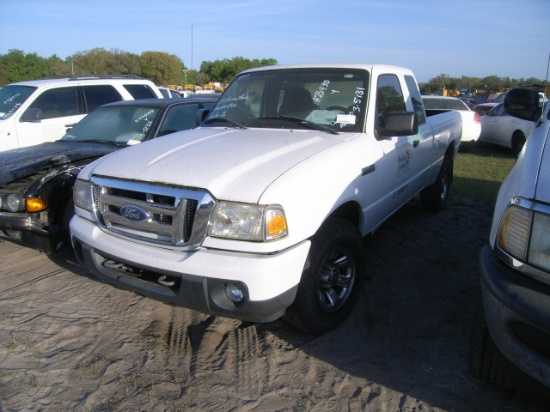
x=11, y=99
x=119, y=125
x=330, y=99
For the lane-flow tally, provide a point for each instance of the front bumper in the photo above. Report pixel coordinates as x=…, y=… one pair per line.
x=193, y=279
x=23, y=229
x=517, y=311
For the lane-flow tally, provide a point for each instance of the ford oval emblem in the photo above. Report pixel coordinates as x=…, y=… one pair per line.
x=134, y=213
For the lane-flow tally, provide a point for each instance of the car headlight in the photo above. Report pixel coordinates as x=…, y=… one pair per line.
x=14, y=202
x=525, y=235
x=241, y=221
x=82, y=195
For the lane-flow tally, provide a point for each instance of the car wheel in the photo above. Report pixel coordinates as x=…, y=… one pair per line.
x=484, y=359
x=331, y=278
x=435, y=197
x=518, y=140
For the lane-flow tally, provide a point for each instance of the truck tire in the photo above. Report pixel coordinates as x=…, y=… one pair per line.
x=331, y=278
x=485, y=360
x=435, y=197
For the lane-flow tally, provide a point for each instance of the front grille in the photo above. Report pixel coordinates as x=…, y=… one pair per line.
x=154, y=213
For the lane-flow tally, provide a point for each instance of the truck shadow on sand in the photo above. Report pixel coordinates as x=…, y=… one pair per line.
x=409, y=333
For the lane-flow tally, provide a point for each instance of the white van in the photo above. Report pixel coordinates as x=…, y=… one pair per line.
x=37, y=111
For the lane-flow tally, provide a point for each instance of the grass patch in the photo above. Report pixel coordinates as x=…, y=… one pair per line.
x=480, y=172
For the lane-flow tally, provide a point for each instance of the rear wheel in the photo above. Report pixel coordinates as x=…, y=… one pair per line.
x=435, y=197
x=331, y=278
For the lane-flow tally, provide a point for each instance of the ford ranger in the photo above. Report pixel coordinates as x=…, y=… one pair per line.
x=260, y=212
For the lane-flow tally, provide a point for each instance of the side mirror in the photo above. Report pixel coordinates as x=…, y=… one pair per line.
x=31, y=115
x=399, y=124
x=522, y=103
x=201, y=115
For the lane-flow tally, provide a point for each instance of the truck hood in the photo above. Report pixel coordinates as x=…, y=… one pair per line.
x=18, y=163
x=232, y=164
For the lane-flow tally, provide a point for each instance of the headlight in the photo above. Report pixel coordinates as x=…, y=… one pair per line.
x=525, y=235
x=248, y=222
x=82, y=195
x=14, y=202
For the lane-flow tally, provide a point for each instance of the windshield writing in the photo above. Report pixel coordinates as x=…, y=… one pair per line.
x=329, y=97
x=117, y=124
x=12, y=98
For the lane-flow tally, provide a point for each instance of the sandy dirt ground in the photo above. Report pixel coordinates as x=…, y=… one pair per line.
x=69, y=342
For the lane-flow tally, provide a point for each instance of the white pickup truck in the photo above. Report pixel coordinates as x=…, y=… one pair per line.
x=260, y=212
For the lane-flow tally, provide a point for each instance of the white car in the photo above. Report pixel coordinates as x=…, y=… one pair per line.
x=38, y=111
x=471, y=122
x=511, y=339
x=504, y=130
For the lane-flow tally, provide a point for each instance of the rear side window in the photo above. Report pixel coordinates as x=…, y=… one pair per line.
x=182, y=117
x=54, y=103
x=140, y=91
x=416, y=98
x=98, y=95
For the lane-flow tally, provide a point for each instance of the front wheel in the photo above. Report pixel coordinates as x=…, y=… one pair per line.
x=484, y=358
x=331, y=278
x=435, y=197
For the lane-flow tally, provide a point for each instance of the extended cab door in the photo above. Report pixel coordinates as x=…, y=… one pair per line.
x=404, y=167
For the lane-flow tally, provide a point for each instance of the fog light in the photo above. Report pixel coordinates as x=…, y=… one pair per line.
x=234, y=293
x=15, y=234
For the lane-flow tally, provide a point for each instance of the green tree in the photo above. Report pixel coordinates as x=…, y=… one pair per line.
x=225, y=70
x=162, y=68
x=17, y=66
x=101, y=61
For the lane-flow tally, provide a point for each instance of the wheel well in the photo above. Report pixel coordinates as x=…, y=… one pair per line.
x=451, y=154
x=517, y=134
x=350, y=211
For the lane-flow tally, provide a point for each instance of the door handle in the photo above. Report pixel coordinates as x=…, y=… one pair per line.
x=416, y=143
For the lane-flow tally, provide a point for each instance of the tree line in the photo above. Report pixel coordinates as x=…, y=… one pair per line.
x=159, y=67
x=164, y=69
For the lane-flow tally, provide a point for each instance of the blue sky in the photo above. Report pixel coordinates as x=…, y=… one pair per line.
x=507, y=38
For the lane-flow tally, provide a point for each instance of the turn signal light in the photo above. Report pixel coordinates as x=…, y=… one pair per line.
x=34, y=204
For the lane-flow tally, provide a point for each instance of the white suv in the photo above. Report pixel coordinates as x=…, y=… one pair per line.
x=38, y=111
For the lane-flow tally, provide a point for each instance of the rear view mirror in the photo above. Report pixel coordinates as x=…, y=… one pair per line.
x=399, y=124
x=31, y=115
x=522, y=103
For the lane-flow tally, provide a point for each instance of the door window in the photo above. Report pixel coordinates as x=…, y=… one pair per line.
x=389, y=98
x=57, y=103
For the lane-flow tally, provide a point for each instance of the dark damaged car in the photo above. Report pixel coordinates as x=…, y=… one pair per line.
x=36, y=182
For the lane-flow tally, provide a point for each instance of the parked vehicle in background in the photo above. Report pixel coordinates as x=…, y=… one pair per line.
x=37, y=111
x=484, y=98
x=168, y=93
x=471, y=122
x=511, y=339
x=498, y=127
x=484, y=108
x=260, y=211
x=36, y=182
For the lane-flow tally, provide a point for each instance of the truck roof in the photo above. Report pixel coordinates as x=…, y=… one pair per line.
x=361, y=66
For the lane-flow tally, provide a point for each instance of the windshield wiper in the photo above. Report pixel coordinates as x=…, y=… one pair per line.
x=222, y=119
x=101, y=141
x=303, y=122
